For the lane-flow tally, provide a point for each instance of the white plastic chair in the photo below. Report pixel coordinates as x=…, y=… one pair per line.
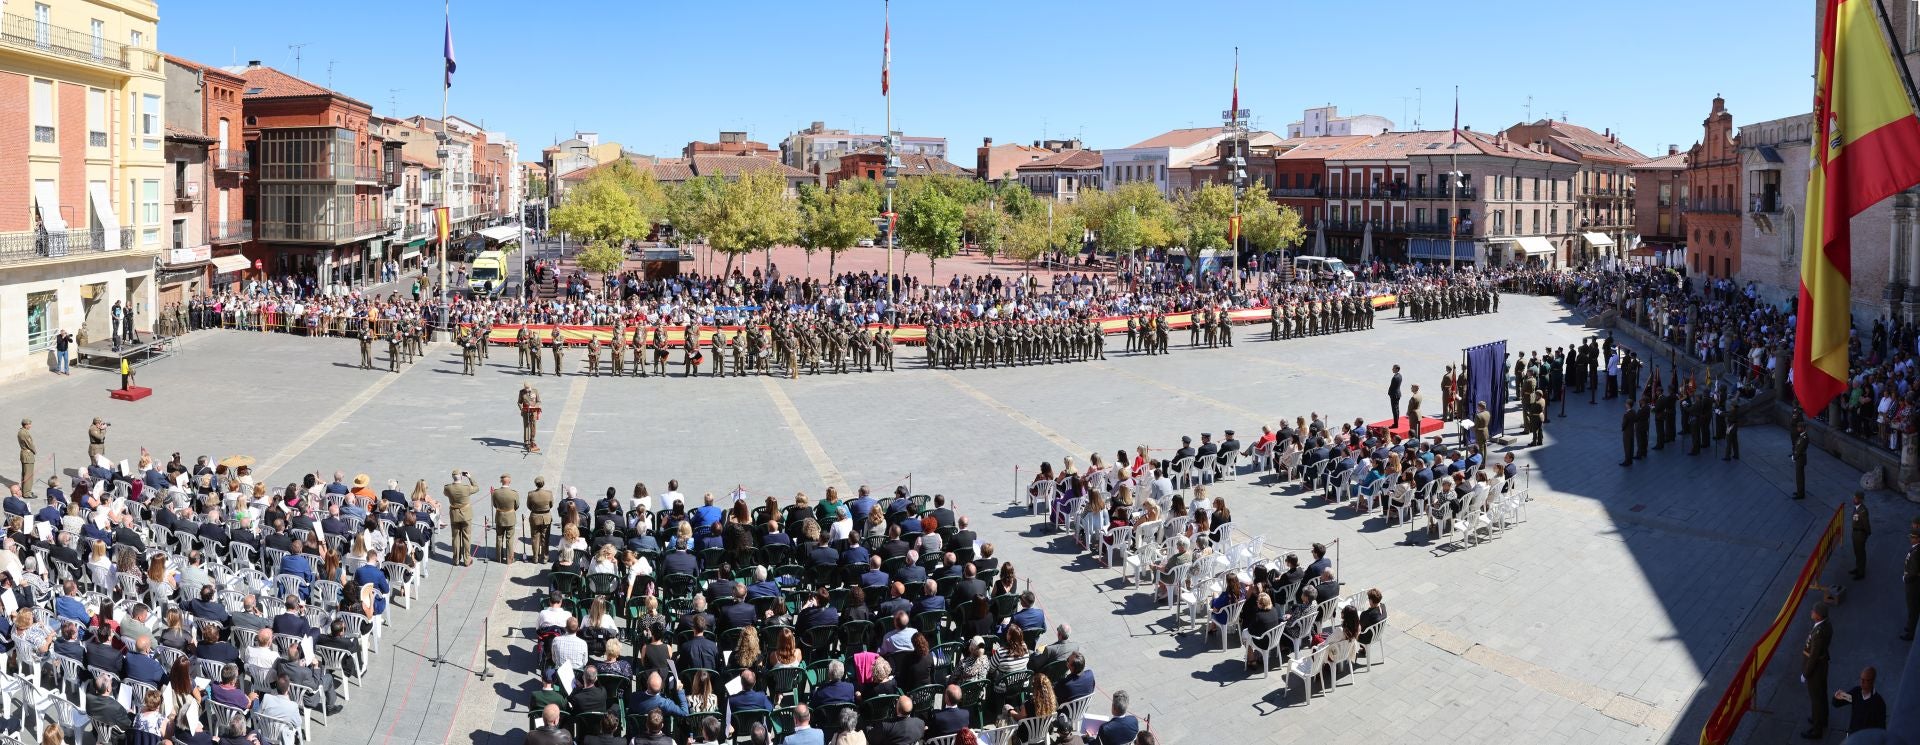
x=1119, y=541
x=1229, y=466
x=1205, y=469
x=1268, y=650
x=1306, y=667
x=1182, y=473
x=1232, y=626
x=1376, y=650
x=1039, y=495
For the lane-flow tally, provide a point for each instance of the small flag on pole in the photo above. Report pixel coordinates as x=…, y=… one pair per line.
x=440, y=223
x=448, y=49
x=1456, y=115
x=886, y=50
x=1236, y=84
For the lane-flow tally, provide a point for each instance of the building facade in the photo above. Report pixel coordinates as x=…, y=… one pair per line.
x=1660, y=193
x=82, y=199
x=1774, y=156
x=318, y=189
x=815, y=148
x=206, y=163
x=871, y=164
x=1160, y=160
x=1326, y=121
x=1604, y=186
x=1062, y=175
x=1716, y=202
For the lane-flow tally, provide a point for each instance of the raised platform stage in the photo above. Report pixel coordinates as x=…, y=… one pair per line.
x=101, y=356
x=131, y=393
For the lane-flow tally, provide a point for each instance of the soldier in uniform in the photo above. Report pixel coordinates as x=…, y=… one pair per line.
x=1533, y=411
x=1131, y=333
x=1910, y=580
x=1731, y=416
x=1642, y=423
x=1800, y=442
x=638, y=348
x=690, y=351
x=885, y=346
x=469, y=354
x=593, y=357
x=393, y=350
x=533, y=355
x=737, y=349
x=27, y=457
x=460, y=515
x=1223, y=328
x=660, y=351
x=756, y=349
x=1862, y=525
x=366, y=347
x=540, y=518
x=1482, y=429
x=1097, y=338
x=789, y=345
x=485, y=339
x=1626, y=435
x=506, y=517
x=1273, y=321
x=520, y=346
x=1160, y=332
x=559, y=347
x=619, y=351
x=529, y=403
x=720, y=344
x=96, y=440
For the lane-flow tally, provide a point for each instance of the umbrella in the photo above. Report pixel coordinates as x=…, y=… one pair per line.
x=1320, y=241
x=236, y=461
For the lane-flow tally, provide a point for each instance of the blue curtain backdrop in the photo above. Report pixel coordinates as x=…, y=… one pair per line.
x=1487, y=381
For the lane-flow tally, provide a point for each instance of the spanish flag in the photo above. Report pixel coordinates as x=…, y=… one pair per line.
x=441, y=224
x=1866, y=147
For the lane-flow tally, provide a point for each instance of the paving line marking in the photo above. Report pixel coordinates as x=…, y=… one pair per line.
x=556, y=450
x=823, y=467
x=323, y=427
x=1019, y=417
x=1185, y=393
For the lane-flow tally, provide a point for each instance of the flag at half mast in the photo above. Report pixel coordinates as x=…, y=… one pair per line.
x=1866, y=147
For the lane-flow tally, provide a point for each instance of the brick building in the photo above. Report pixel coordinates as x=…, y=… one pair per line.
x=1300, y=170
x=1062, y=175
x=870, y=163
x=1660, y=190
x=1604, y=185
x=207, y=162
x=1714, y=205
x=81, y=173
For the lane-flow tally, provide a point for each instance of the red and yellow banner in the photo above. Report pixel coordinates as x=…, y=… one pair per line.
x=905, y=334
x=441, y=223
x=1866, y=147
x=1733, y=705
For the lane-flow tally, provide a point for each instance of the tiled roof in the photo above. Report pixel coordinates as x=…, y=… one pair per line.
x=1674, y=162
x=210, y=70
x=266, y=82
x=1314, y=148
x=1065, y=160
x=1490, y=145
x=916, y=164
x=1588, y=143
x=1179, y=138
x=181, y=135
x=1394, y=145
x=735, y=165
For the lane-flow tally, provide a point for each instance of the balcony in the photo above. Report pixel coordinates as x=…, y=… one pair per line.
x=1440, y=192
x=1714, y=207
x=230, y=231
x=326, y=233
x=368, y=174
x=233, y=161
x=34, y=245
x=1767, y=203
x=81, y=46
x=1607, y=194
x=390, y=176
x=1309, y=192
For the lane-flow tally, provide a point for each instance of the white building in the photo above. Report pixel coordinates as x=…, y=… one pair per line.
x=1773, y=166
x=1326, y=121
x=809, y=148
x=1161, y=160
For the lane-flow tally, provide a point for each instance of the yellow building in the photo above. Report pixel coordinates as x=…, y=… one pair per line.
x=82, y=134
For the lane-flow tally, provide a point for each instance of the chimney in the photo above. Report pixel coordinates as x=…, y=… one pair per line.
x=253, y=63
x=1608, y=133
x=986, y=141
x=1673, y=149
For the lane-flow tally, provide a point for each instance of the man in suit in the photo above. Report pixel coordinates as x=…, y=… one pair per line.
x=206, y=608
x=101, y=706
x=1320, y=561
x=1813, y=669
x=1077, y=683
x=100, y=652
x=1869, y=707
x=337, y=638
x=1862, y=525
x=739, y=613
x=305, y=672
x=1186, y=449
x=749, y=698
x=292, y=622
x=818, y=612
x=460, y=513
x=949, y=718
x=1060, y=649
x=970, y=584
x=506, y=517
x=902, y=729
x=588, y=696
x=1123, y=727
x=699, y=651
x=14, y=505
x=1393, y=397
x=941, y=513
x=803, y=732
x=1029, y=617
x=140, y=665
x=540, y=517
x=964, y=537
x=836, y=689
x=651, y=696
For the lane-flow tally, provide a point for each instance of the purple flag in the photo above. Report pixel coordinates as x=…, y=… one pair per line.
x=449, y=53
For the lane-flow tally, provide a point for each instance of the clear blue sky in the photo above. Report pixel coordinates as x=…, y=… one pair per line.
x=654, y=75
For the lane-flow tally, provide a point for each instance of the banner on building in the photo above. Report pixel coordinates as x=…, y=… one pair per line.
x=1733, y=705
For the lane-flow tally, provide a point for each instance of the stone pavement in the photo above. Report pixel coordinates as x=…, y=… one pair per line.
x=1614, y=613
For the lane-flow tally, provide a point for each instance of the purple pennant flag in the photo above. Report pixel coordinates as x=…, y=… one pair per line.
x=449, y=53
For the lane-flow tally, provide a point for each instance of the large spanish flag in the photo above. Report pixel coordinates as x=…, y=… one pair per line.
x=1866, y=147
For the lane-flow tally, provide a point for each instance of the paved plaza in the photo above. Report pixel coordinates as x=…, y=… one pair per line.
x=1613, y=614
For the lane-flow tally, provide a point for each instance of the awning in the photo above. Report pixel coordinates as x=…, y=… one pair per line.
x=1597, y=240
x=500, y=233
x=46, y=199
x=230, y=263
x=1534, y=245
x=103, y=211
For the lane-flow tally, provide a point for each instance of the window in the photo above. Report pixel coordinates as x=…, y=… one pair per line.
x=1666, y=190
x=1553, y=221
x=150, y=212
x=1536, y=193
x=179, y=234
x=1499, y=223
x=1420, y=215
x=1499, y=187
x=137, y=39
x=99, y=29
x=42, y=24
x=1536, y=214
x=180, y=190
x=96, y=117
x=1553, y=190
x=43, y=116
x=150, y=122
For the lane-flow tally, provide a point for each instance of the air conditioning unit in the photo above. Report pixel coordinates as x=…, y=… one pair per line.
x=193, y=188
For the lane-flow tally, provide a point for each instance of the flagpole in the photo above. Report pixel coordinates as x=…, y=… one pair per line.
x=1899, y=55
x=887, y=171
x=446, y=149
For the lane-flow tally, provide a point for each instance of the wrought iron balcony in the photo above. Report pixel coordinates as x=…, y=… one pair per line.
x=34, y=245
x=232, y=160
x=230, y=231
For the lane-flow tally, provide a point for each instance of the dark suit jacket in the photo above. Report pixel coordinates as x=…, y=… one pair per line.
x=288, y=624
x=1119, y=729
x=1815, y=660
x=586, y=699
x=700, y=652
x=831, y=693
x=105, y=709
x=902, y=731
x=947, y=721
x=1075, y=686
x=142, y=668
x=104, y=656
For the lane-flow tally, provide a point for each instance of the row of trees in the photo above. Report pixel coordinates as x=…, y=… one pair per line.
x=937, y=216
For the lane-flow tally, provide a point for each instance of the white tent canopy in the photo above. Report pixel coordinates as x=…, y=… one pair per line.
x=500, y=233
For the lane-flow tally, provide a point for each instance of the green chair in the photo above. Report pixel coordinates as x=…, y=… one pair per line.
x=878, y=708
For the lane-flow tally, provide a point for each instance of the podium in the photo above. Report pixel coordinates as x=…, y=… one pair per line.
x=130, y=393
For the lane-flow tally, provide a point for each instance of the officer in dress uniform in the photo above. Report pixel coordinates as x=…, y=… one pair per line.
x=366, y=347
x=460, y=514
x=506, y=517
x=690, y=349
x=27, y=457
x=469, y=354
x=540, y=518
x=1535, y=409
x=559, y=348
x=1862, y=525
x=719, y=343
x=1626, y=434
x=736, y=348
x=529, y=403
x=393, y=350
x=96, y=439
x=1642, y=424
x=593, y=357
x=619, y=351
x=1813, y=669
x=1800, y=442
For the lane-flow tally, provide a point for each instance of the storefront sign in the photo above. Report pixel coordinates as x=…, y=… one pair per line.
x=180, y=256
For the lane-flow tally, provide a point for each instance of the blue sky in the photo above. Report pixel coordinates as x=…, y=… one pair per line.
x=654, y=75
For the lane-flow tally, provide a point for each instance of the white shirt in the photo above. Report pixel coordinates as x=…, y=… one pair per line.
x=554, y=616
x=668, y=499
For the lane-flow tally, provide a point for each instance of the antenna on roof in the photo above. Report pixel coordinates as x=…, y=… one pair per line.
x=330, y=74
x=393, y=104
x=296, y=56
x=1529, y=118
x=1418, y=104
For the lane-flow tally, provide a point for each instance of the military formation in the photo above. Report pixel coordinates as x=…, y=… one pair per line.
x=1448, y=302
x=787, y=346
x=954, y=346
x=406, y=343
x=1294, y=317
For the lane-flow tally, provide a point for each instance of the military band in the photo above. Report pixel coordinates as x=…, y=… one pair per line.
x=1449, y=302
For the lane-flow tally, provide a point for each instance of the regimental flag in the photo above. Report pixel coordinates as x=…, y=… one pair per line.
x=1456, y=115
x=1233, y=232
x=442, y=223
x=886, y=49
x=1866, y=148
x=447, y=50
x=1236, y=84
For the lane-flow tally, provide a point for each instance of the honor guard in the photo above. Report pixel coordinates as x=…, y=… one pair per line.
x=506, y=517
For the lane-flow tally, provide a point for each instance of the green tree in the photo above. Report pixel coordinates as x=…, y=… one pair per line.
x=1266, y=226
x=987, y=224
x=1202, y=218
x=690, y=207
x=751, y=214
x=601, y=211
x=931, y=217
x=600, y=258
x=838, y=219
